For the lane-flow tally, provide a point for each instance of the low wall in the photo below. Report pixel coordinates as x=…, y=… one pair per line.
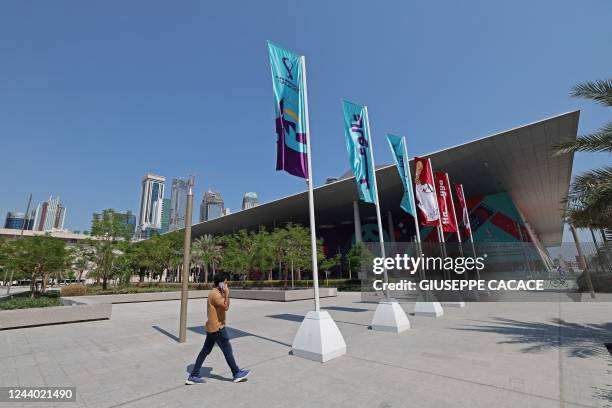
x=12, y=319
x=281, y=295
x=255, y=294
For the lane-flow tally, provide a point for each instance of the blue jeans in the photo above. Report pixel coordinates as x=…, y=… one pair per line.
x=221, y=338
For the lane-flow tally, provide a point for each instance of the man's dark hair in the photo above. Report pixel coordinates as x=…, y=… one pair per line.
x=220, y=277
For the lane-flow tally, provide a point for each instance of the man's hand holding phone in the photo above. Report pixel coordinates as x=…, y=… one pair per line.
x=225, y=291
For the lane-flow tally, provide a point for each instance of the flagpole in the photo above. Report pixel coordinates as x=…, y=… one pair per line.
x=313, y=234
x=414, y=210
x=378, y=218
x=452, y=201
x=469, y=226
x=429, y=306
x=440, y=230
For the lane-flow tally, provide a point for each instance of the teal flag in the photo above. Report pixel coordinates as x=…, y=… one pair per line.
x=400, y=153
x=290, y=107
x=357, y=132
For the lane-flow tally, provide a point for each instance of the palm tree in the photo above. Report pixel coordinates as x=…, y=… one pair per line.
x=206, y=251
x=590, y=195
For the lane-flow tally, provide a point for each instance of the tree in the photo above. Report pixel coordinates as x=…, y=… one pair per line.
x=263, y=256
x=590, y=196
x=8, y=260
x=296, y=246
x=206, y=251
x=81, y=258
x=108, y=229
x=238, y=252
x=357, y=257
x=328, y=263
x=40, y=257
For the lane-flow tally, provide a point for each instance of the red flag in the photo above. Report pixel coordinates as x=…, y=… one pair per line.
x=464, y=211
x=445, y=204
x=425, y=192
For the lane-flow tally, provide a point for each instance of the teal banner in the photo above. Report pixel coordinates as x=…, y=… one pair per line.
x=290, y=108
x=400, y=154
x=357, y=132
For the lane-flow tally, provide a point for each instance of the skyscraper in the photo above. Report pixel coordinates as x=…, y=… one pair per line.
x=151, y=202
x=16, y=220
x=249, y=200
x=212, y=206
x=166, y=213
x=178, y=203
x=50, y=215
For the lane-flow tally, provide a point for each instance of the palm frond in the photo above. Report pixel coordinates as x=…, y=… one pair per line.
x=600, y=141
x=599, y=91
x=592, y=182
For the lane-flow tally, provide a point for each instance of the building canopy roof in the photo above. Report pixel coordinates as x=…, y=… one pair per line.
x=518, y=161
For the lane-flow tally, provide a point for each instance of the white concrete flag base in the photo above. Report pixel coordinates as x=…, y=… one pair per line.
x=429, y=309
x=318, y=338
x=454, y=304
x=458, y=301
x=389, y=316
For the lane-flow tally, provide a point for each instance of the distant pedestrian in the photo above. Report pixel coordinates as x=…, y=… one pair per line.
x=217, y=304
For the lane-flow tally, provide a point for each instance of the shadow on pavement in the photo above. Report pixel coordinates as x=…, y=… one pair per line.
x=298, y=318
x=345, y=309
x=233, y=333
x=581, y=340
x=166, y=333
x=206, y=372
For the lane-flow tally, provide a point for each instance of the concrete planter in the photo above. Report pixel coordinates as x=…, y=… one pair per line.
x=75, y=312
x=255, y=294
x=281, y=295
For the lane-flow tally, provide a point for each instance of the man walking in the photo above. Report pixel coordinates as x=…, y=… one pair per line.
x=218, y=303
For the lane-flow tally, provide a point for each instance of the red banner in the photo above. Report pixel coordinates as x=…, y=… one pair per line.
x=425, y=192
x=445, y=203
x=467, y=230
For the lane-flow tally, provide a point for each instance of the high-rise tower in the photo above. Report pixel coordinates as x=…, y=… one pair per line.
x=212, y=206
x=249, y=200
x=178, y=203
x=151, y=202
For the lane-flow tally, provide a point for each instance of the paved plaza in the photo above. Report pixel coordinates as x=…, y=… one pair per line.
x=486, y=355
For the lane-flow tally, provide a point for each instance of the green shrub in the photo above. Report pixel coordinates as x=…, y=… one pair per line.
x=73, y=290
x=24, y=301
x=602, y=282
x=146, y=287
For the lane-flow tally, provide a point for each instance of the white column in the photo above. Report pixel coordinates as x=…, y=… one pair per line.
x=357, y=222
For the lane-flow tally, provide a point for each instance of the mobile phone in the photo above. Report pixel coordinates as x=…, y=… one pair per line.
x=222, y=286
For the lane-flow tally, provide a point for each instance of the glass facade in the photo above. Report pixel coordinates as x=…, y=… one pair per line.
x=165, y=218
x=212, y=206
x=16, y=220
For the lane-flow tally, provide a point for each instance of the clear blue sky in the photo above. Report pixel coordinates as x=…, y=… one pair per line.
x=93, y=95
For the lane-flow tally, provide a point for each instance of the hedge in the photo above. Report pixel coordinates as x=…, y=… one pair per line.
x=144, y=287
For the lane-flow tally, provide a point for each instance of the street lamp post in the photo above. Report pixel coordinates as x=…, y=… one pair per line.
x=186, y=264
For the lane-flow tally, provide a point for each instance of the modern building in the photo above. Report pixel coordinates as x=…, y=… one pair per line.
x=18, y=220
x=249, y=200
x=50, y=215
x=212, y=206
x=178, y=203
x=69, y=237
x=151, y=202
x=166, y=216
x=513, y=184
